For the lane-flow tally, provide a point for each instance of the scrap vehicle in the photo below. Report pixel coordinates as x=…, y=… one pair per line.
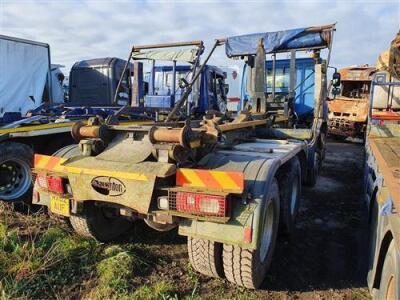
x=348, y=111
x=382, y=176
x=228, y=183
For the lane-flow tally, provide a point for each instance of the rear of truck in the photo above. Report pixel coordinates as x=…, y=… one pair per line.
x=382, y=177
x=227, y=182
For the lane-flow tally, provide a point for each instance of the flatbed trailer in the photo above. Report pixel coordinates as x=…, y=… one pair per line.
x=228, y=182
x=382, y=180
x=19, y=142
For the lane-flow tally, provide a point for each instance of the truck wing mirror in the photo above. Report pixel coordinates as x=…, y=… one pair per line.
x=226, y=89
x=336, y=79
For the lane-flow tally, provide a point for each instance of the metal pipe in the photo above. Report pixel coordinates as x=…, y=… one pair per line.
x=122, y=76
x=273, y=75
x=292, y=76
x=152, y=77
x=49, y=78
x=173, y=82
x=321, y=28
x=198, y=43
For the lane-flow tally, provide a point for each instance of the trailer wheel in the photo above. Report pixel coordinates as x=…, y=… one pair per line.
x=290, y=192
x=313, y=172
x=99, y=223
x=206, y=257
x=389, y=287
x=15, y=172
x=247, y=267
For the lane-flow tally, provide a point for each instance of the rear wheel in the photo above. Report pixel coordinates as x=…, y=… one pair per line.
x=100, y=223
x=313, y=172
x=247, y=267
x=15, y=172
x=206, y=257
x=290, y=192
x=389, y=287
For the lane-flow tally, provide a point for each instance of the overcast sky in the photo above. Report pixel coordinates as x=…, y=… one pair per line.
x=79, y=30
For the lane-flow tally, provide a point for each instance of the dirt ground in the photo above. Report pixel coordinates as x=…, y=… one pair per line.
x=325, y=258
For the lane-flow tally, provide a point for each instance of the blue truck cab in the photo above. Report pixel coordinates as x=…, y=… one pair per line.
x=304, y=89
x=209, y=91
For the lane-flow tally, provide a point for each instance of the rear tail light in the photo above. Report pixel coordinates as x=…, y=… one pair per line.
x=55, y=184
x=41, y=181
x=201, y=204
x=52, y=183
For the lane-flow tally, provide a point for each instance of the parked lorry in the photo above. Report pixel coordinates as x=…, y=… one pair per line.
x=26, y=77
x=93, y=82
x=382, y=176
x=227, y=183
x=348, y=111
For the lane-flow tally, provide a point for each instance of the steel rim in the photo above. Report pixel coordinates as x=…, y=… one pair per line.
x=15, y=179
x=267, y=231
x=293, y=200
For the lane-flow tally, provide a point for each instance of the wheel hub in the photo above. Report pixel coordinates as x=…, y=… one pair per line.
x=15, y=179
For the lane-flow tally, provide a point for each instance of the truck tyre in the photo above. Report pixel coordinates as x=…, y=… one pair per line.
x=68, y=151
x=290, y=192
x=16, y=161
x=99, y=223
x=206, y=257
x=389, y=287
x=246, y=267
x=312, y=173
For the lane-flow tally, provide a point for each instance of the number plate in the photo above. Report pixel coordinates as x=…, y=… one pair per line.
x=59, y=205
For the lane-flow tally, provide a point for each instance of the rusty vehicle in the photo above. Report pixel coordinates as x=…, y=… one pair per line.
x=382, y=176
x=348, y=111
x=228, y=182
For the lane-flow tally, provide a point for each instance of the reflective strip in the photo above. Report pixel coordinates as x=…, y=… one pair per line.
x=49, y=163
x=214, y=180
x=55, y=164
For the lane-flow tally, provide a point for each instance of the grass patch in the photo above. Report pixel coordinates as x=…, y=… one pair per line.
x=38, y=261
x=159, y=290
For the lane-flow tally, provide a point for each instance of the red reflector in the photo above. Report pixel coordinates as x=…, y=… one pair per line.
x=201, y=204
x=248, y=232
x=55, y=184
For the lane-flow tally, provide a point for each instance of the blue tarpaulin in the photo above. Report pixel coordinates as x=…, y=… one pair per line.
x=274, y=41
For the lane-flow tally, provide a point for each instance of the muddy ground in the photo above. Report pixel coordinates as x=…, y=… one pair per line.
x=325, y=258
